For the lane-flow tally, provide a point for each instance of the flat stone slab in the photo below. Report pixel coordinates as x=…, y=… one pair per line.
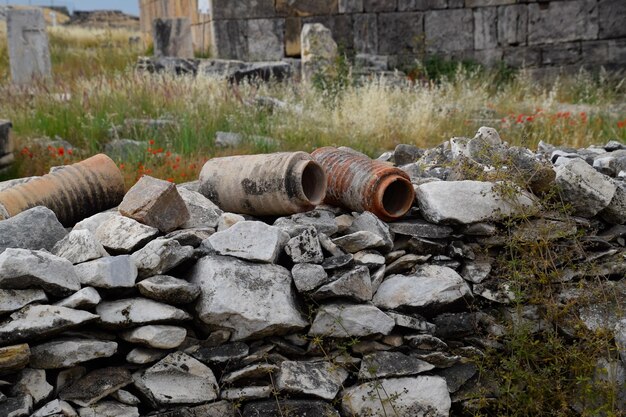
x=401, y=397
x=250, y=240
x=66, y=353
x=136, y=312
x=319, y=378
x=343, y=320
x=109, y=409
x=14, y=358
x=24, y=268
x=156, y=336
x=429, y=286
x=38, y=321
x=464, y=202
x=110, y=272
x=177, y=379
x=391, y=364
x=168, y=289
x=96, y=385
x=13, y=300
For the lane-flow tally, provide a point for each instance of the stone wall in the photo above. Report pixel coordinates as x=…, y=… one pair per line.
x=557, y=33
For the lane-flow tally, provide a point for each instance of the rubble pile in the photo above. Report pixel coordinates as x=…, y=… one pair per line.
x=168, y=306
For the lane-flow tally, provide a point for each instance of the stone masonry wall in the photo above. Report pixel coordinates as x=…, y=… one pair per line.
x=557, y=33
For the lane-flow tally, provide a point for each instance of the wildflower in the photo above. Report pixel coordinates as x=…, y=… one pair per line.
x=151, y=141
x=621, y=124
x=61, y=150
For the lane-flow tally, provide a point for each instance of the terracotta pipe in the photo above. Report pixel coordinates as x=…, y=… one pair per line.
x=264, y=185
x=73, y=193
x=359, y=183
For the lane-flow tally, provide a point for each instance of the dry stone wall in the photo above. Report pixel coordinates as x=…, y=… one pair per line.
x=557, y=33
x=168, y=306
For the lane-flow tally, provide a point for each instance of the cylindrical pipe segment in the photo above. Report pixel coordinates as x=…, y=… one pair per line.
x=73, y=192
x=359, y=183
x=264, y=185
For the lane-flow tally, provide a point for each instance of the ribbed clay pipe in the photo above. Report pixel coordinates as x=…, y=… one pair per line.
x=73, y=192
x=264, y=185
x=359, y=183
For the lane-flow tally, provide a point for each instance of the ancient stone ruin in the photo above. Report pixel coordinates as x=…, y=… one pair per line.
x=547, y=34
x=167, y=305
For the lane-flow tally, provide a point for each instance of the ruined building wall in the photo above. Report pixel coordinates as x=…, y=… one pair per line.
x=556, y=33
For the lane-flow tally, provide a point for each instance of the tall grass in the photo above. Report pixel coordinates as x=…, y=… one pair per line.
x=96, y=90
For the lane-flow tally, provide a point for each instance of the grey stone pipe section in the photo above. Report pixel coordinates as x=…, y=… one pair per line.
x=264, y=185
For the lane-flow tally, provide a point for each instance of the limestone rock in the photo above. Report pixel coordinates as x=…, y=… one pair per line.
x=177, y=379
x=319, y=378
x=13, y=358
x=305, y=247
x=66, y=353
x=322, y=220
x=13, y=300
x=36, y=228
x=615, y=212
x=108, y=409
x=402, y=397
x=24, y=268
x=319, y=51
x=143, y=356
x=159, y=256
x=463, y=202
x=430, y=286
x=354, y=284
x=79, y=246
x=122, y=234
x=251, y=240
x=253, y=300
x=391, y=364
x=155, y=203
x=20, y=406
x=32, y=382
x=247, y=393
x=96, y=385
x=359, y=241
x=156, y=336
x=368, y=222
x=255, y=371
x=55, y=408
x=587, y=190
x=227, y=220
x=308, y=277
x=202, y=211
x=168, y=289
x=350, y=320
x=110, y=272
x=369, y=258
x=222, y=354
x=93, y=222
x=137, y=311
x=37, y=321
x=125, y=397
x=420, y=228
x=85, y=299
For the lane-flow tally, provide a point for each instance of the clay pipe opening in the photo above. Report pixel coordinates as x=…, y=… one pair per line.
x=395, y=197
x=312, y=182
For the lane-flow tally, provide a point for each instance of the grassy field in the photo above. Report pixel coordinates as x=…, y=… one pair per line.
x=96, y=89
